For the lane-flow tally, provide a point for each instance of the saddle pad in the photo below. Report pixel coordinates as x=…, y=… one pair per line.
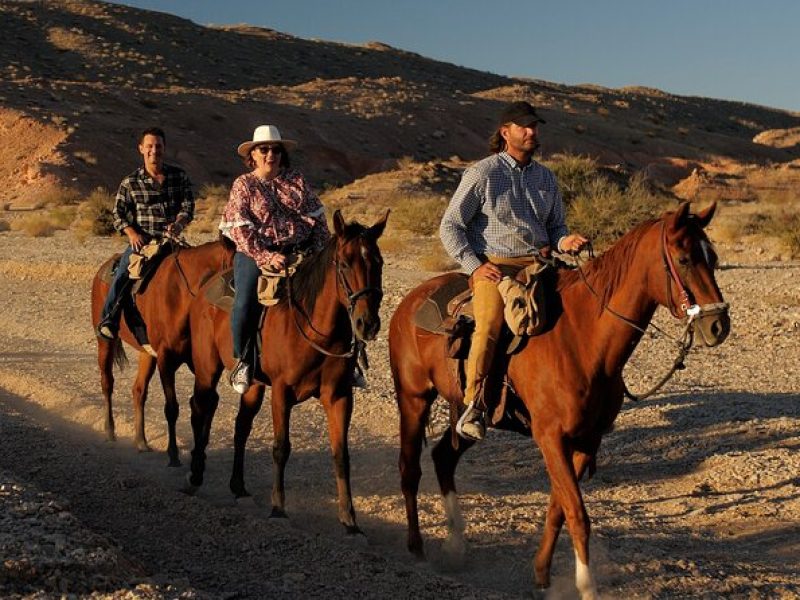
x=432, y=313
x=219, y=292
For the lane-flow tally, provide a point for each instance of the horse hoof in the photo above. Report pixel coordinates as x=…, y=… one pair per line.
x=278, y=513
x=354, y=535
x=238, y=489
x=143, y=447
x=189, y=488
x=174, y=462
x=111, y=436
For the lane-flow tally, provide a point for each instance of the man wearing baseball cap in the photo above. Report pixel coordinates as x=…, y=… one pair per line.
x=506, y=211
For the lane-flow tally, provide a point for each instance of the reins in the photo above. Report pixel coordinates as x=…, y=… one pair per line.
x=352, y=298
x=692, y=311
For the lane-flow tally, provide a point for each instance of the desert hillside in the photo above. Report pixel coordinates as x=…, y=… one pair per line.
x=79, y=80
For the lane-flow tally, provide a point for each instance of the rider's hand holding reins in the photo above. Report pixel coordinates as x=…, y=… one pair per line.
x=573, y=243
x=135, y=238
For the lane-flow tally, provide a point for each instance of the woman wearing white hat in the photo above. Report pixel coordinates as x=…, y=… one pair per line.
x=270, y=209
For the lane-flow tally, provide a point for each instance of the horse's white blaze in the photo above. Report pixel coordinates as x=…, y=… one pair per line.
x=584, y=580
x=454, y=544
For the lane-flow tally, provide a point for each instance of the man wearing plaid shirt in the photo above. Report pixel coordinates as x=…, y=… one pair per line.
x=506, y=211
x=153, y=201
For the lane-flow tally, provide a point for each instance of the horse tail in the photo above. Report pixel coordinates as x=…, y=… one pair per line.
x=118, y=352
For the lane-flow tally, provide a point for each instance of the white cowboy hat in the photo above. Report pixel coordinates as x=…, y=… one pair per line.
x=263, y=134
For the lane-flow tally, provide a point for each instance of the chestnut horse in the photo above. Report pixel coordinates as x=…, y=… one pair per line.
x=164, y=307
x=308, y=348
x=569, y=378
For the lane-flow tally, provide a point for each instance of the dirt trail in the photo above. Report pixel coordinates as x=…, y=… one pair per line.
x=697, y=492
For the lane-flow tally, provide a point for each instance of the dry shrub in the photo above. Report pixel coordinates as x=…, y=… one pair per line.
x=95, y=216
x=63, y=216
x=35, y=225
x=4, y=225
x=437, y=260
x=785, y=227
x=574, y=174
x=392, y=244
x=419, y=214
x=56, y=195
x=604, y=211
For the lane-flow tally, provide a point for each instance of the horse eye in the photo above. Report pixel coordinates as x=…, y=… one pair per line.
x=683, y=261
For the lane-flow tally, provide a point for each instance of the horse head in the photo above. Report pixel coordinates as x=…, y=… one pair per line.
x=689, y=261
x=359, y=271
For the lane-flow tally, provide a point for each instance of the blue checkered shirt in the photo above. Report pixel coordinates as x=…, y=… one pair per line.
x=151, y=206
x=504, y=210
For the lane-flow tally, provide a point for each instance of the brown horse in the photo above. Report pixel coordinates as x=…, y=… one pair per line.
x=569, y=379
x=164, y=306
x=308, y=347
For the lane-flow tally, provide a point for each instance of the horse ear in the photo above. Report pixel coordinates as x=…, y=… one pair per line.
x=377, y=229
x=704, y=216
x=679, y=217
x=338, y=223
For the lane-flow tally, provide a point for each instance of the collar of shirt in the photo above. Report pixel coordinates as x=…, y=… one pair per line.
x=512, y=162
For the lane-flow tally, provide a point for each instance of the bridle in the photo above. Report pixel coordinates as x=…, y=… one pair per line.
x=691, y=310
x=351, y=298
x=687, y=306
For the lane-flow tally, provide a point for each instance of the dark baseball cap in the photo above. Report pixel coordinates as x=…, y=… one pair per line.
x=520, y=113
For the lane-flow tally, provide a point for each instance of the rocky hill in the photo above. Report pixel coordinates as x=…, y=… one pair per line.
x=80, y=79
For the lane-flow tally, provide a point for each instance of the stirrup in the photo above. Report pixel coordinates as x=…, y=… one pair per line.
x=471, y=424
x=240, y=377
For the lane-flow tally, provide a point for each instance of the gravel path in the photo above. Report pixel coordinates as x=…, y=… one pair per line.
x=697, y=492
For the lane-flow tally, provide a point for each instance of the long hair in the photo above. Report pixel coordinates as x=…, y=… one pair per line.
x=496, y=142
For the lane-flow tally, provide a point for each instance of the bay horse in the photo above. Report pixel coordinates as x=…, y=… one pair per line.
x=164, y=306
x=569, y=378
x=308, y=347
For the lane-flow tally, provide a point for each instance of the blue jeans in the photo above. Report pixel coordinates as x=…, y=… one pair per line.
x=112, y=309
x=245, y=301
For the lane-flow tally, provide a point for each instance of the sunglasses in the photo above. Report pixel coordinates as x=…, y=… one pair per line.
x=266, y=149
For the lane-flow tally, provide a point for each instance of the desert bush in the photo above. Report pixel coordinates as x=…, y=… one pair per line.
x=574, y=174
x=419, y=214
x=603, y=211
x=57, y=195
x=95, y=215
x=62, y=217
x=785, y=227
x=4, y=225
x=35, y=225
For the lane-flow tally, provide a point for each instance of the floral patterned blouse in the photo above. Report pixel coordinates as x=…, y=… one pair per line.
x=262, y=215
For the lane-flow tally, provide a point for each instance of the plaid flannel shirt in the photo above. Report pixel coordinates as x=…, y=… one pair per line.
x=263, y=215
x=144, y=203
x=502, y=209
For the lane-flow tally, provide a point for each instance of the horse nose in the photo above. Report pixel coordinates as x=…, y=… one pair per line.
x=718, y=330
x=367, y=328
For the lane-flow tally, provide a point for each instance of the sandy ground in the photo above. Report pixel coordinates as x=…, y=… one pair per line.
x=697, y=492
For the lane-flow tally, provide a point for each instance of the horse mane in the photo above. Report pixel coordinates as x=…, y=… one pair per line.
x=308, y=280
x=605, y=272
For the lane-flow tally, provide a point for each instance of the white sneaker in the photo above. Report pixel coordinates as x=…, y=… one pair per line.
x=471, y=424
x=240, y=377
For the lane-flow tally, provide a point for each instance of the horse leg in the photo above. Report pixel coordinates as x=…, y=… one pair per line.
x=445, y=460
x=281, y=399
x=567, y=494
x=204, y=405
x=105, y=360
x=167, y=366
x=340, y=410
x=414, y=412
x=249, y=405
x=552, y=527
x=147, y=366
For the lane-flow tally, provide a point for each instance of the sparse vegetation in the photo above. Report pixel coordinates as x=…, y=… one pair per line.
x=4, y=225
x=35, y=225
x=95, y=216
x=420, y=214
x=604, y=211
x=57, y=195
